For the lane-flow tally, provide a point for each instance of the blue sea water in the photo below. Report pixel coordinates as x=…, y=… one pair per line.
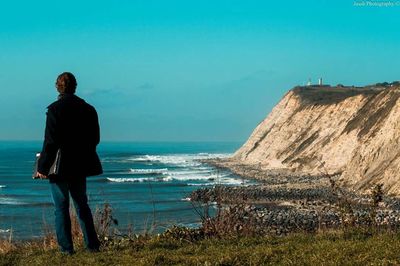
x=143, y=182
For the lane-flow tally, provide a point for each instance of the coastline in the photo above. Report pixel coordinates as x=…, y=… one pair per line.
x=256, y=172
x=282, y=201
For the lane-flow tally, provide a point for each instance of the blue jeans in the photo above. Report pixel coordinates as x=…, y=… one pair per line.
x=60, y=191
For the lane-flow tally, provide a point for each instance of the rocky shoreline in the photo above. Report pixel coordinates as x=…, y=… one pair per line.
x=283, y=202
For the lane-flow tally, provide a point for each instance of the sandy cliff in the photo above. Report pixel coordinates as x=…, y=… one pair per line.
x=351, y=131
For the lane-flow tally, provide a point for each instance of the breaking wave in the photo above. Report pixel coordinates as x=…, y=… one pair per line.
x=149, y=171
x=2, y=231
x=179, y=159
x=211, y=180
x=201, y=184
x=191, y=177
x=138, y=179
x=182, y=168
x=11, y=201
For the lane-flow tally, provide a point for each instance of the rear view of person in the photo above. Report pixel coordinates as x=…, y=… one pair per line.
x=72, y=128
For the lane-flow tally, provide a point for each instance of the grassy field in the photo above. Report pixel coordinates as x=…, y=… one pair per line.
x=226, y=239
x=329, y=248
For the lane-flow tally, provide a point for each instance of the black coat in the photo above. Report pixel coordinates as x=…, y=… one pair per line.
x=71, y=126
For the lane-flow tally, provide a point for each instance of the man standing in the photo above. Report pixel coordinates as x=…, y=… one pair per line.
x=72, y=128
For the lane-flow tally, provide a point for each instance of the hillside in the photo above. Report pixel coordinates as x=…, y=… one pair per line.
x=351, y=131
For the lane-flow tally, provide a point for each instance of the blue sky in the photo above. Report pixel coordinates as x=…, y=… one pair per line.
x=184, y=70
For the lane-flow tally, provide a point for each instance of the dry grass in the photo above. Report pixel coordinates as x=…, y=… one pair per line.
x=7, y=245
x=227, y=238
x=333, y=248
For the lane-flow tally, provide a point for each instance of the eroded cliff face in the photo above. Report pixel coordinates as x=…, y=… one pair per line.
x=354, y=132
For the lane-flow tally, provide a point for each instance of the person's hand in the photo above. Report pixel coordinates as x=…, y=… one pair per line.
x=41, y=176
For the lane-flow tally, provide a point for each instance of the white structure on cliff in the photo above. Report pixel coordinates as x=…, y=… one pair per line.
x=309, y=83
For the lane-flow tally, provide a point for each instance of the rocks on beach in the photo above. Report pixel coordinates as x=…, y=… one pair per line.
x=281, y=203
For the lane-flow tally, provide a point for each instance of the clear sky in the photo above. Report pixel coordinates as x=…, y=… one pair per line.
x=184, y=70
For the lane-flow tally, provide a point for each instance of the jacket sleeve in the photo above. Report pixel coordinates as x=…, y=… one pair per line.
x=97, y=128
x=50, y=144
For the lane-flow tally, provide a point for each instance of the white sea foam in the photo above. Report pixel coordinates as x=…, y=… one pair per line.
x=181, y=167
x=200, y=176
x=201, y=184
x=211, y=178
x=186, y=199
x=10, y=201
x=179, y=159
x=138, y=179
x=2, y=231
x=123, y=180
x=145, y=158
x=167, y=178
x=3, y=186
x=222, y=181
x=149, y=171
x=190, y=172
x=233, y=181
x=186, y=159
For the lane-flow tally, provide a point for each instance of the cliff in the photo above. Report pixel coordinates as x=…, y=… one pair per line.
x=354, y=132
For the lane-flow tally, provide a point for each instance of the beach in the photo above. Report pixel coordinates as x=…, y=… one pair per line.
x=282, y=202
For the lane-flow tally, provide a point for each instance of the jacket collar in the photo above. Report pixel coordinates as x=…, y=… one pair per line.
x=65, y=95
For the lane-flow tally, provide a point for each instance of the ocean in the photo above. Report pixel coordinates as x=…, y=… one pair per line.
x=143, y=183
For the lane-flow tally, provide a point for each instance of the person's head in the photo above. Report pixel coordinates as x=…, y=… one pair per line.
x=66, y=83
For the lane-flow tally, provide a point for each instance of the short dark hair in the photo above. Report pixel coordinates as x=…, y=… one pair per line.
x=66, y=83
